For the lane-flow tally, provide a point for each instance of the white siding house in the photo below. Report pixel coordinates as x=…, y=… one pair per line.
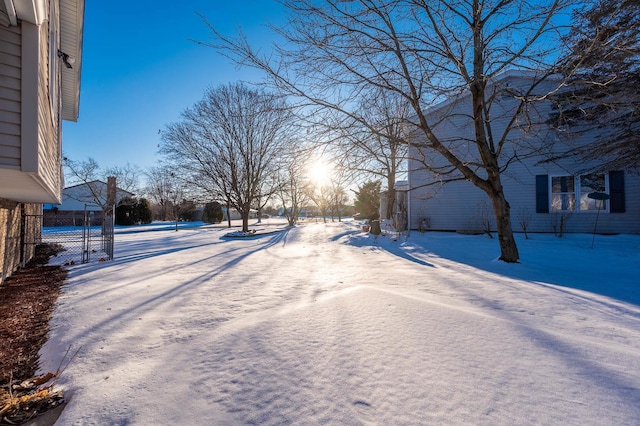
x=544, y=195
x=91, y=195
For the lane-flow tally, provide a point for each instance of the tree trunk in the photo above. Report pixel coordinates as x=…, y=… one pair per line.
x=245, y=221
x=493, y=185
x=391, y=202
x=502, y=209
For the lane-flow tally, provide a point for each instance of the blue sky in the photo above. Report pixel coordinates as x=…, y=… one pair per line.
x=140, y=70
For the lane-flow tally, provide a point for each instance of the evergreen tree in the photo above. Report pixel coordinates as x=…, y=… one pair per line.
x=212, y=213
x=126, y=212
x=144, y=212
x=603, y=93
x=367, y=201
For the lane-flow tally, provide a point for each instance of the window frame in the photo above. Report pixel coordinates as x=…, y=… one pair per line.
x=577, y=194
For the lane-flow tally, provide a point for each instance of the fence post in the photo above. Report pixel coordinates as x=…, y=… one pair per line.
x=86, y=231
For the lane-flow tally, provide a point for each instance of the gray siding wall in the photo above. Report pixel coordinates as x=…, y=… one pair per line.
x=49, y=140
x=30, y=109
x=460, y=205
x=10, y=82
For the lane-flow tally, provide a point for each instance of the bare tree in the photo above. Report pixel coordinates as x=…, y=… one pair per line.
x=269, y=187
x=380, y=152
x=176, y=196
x=79, y=172
x=159, y=187
x=320, y=196
x=293, y=191
x=325, y=185
x=94, y=178
x=372, y=147
x=127, y=176
x=338, y=199
x=229, y=143
x=424, y=52
x=169, y=191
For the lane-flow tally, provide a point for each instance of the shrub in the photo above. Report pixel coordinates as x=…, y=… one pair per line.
x=212, y=213
x=132, y=212
x=145, y=214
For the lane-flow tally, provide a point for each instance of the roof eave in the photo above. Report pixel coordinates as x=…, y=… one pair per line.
x=33, y=11
x=71, y=37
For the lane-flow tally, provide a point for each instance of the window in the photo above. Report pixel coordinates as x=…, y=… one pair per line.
x=595, y=182
x=563, y=194
x=570, y=193
x=563, y=191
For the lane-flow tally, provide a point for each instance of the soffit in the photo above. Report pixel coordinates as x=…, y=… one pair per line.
x=26, y=188
x=71, y=30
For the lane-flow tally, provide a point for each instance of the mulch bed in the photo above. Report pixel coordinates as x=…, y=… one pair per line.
x=27, y=299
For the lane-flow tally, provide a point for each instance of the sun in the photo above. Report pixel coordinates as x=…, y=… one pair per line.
x=320, y=172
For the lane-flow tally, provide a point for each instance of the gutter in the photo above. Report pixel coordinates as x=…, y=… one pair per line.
x=32, y=11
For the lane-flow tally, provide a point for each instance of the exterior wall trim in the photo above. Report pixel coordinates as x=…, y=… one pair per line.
x=11, y=12
x=29, y=106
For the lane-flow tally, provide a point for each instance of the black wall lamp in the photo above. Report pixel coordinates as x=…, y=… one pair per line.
x=65, y=58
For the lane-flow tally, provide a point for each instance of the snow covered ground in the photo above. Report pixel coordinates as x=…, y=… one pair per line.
x=323, y=324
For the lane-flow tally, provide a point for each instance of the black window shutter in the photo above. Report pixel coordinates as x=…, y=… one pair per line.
x=542, y=193
x=616, y=189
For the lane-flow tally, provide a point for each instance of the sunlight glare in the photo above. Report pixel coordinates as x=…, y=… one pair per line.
x=319, y=172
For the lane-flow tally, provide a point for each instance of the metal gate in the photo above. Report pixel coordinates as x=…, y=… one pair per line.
x=80, y=238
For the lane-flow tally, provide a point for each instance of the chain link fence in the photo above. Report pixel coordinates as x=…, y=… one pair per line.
x=82, y=237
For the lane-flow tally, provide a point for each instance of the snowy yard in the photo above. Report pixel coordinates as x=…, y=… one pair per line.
x=323, y=324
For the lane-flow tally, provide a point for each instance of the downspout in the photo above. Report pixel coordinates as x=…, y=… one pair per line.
x=409, y=161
